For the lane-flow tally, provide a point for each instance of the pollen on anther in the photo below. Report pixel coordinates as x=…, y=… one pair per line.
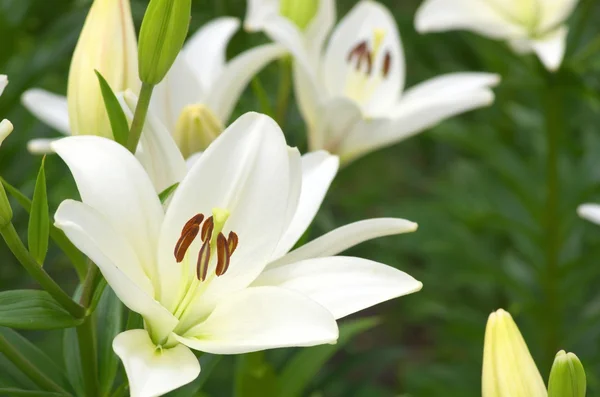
x=203, y=261
x=185, y=241
x=195, y=220
x=387, y=64
x=232, y=242
x=207, y=229
x=223, y=255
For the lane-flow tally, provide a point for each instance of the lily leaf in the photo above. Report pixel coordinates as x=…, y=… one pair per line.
x=12, y=392
x=118, y=121
x=110, y=324
x=165, y=194
x=255, y=376
x=39, y=224
x=33, y=309
x=73, y=360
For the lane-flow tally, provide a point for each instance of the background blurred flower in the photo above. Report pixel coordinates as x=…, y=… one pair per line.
x=6, y=126
x=351, y=94
x=528, y=25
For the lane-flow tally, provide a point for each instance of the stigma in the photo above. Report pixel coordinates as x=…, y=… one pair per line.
x=213, y=240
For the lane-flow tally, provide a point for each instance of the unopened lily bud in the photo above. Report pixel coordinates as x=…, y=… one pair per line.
x=107, y=44
x=196, y=128
x=6, y=128
x=163, y=32
x=508, y=368
x=567, y=378
x=301, y=12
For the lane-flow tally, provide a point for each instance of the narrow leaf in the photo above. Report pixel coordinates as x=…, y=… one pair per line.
x=33, y=309
x=39, y=224
x=304, y=366
x=118, y=121
x=12, y=392
x=165, y=194
x=73, y=360
x=110, y=323
x=255, y=376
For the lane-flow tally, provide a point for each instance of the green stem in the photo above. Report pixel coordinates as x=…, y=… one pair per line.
x=551, y=222
x=28, y=368
x=38, y=273
x=89, y=357
x=141, y=110
x=262, y=96
x=285, y=88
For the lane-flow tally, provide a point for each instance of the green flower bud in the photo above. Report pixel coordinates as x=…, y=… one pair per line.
x=6, y=213
x=163, y=32
x=567, y=378
x=196, y=128
x=301, y=12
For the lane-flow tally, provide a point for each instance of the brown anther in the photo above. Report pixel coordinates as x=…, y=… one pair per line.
x=203, y=261
x=185, y=241
x=223, y=255
x=357, y=51
x=363, y=56
x=232, y=242
x=207, y=229
x=195, y=220
x=387, y=64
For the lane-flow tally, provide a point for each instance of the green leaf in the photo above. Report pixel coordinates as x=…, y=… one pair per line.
x=208, y=362
x=74, y=255
x=109, y=316
x=73, y=360
x=305, y=365
x=118, y=121
x=42, y=361
x=165, y=194
x=9, y=392
x=39, y=224
x=33, y=309
x=254, y=376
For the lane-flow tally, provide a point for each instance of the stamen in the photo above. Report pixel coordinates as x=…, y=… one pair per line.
x=185, y=241
x=232, y=242
x=196, y=220
x=223, y=255
x=203, y=261
x=357, y=51
x=387, y=64
x=207, y=229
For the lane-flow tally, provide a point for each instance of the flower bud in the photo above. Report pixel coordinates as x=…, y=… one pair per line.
x=196, y=128
x=6, y=128
x=301, y=12
x=163, y=32
x=508, y=368
x=567, y=378
x=107, y=43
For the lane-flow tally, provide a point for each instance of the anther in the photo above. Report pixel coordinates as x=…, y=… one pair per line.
x=203, y=261
x=185, y=241
x=387, y=64
x=232, y=242
x=223, y=255
x=196, y=220
x=207, y=229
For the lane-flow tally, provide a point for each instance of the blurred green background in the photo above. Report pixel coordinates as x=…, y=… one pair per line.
x=476, y=184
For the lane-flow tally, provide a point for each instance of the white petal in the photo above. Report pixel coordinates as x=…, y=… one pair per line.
x=153, y=371
x=262, y=318
x=3, y=83
x=310, y=94
x=336, y=120
x=106, y=246
x=157, y=150
x=236, y=75
x=318, y=170
x=590, y=212
x=343, y=285
x=319, y=27
x=422, y=107
x=112, y=181
x=478, y=16
x=373, y=24
x=49, y=108
x=41, y=145
x=554, y=13
x=346, y=237
x=205, y=51
x=246, y=171
x=257, y=11
x=281, y=30
x=179, y=89
x=551, y=48
x=193, y=159
x=6, y=128
x=295, y=189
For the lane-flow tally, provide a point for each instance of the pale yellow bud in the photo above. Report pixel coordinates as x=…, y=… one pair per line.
x=508, y=368
x=108, y=44
x=301, y=12
x=196, y=128
x=6, y=128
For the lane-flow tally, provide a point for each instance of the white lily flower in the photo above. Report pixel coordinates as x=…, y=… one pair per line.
x=528, y=25
x=350, y=93
x=201, y=89
x=6, y=126
x=589, y=212
x=211, y=272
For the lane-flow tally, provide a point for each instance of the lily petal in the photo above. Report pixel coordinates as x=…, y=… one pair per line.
x=283, y=31
x=41, y=145
x=343, y=285
x=257, y=11
x=319, y=27
x=551, y=48
x=373, y=25
x=236, y=75
x=336, y=120
x=477, y=16
x=346, y=237
x=157, y=150
x=555, y=12
x=590, y=212
x=262, y=318
x=49, y=108
x=3, y=83
x=111, y=180
x=205, y=51
x=106, y=246
x=151, y=370
x=6, y=128
x=318, y=170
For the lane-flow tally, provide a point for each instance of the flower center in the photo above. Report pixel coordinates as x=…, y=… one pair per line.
x=213, y=239
x=367, y=67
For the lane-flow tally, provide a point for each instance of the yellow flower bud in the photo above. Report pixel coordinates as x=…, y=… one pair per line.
x=508, y=368
x=196, y=128
x=567, y=378
x=108, y=44
x=301, y=12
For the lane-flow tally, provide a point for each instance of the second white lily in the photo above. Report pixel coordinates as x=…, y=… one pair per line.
x=211, y=272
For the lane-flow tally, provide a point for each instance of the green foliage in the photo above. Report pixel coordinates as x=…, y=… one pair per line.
x=118, y=121
x=38, y=229
x=31, y=309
